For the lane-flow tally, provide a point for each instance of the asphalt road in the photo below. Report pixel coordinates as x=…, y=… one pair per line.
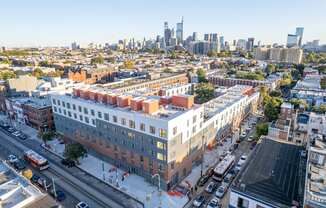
x=243, y=148
x=78, y=185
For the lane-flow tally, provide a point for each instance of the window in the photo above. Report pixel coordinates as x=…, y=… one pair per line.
x=163, y=133
x=142, y=126
x=152, y=129
x=85, y=110
x=59, y=103
x=123, y=121
x=55, y=109
x=115, y=119
x=160, y=156
x=75, y=115
x=68, y=105
x=69, y=114
x=194, y=119
x=59, y=110
x=81, y=117
x=106, y=117
x=194, y=129
x=54, y=101
x=93, y=121
x=160, y=145
x=243, y=203
x=73, y=106
x=175, y=130
x=92, y=112
x=131, y=135
x=131, y=124
x=64, y=112
x=63, y=104
x=79, y=108
x=86, y=119
x=99, y=114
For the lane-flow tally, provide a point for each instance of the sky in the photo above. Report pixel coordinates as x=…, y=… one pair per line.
x=27, y=23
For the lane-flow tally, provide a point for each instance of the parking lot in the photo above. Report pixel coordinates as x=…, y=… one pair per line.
x=212, y=193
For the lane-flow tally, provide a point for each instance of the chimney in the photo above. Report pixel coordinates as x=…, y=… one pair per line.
x=185, y=101
x=123, y=100
x=136, y=104
x=150, y=106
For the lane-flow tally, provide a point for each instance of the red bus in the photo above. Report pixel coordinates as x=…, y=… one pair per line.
x=36, y=160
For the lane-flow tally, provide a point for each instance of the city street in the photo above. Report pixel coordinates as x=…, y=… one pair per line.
x=78, y=185
x=243, y=149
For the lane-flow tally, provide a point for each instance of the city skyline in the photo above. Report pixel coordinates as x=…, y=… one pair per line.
x=59, y=23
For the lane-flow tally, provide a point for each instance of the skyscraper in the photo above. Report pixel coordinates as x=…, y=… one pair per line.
x=299, y=33
x=292, y=41
x=194, y=36
x=222, y=43
x=180, y=32
x=250, y=44
x=167, y=34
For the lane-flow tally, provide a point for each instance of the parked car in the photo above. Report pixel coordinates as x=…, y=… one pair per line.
x=22, y=136
x=16, y=133
x=214, y=203
x=19, y=165
x=11, y=130
x=220, y=191
x=12, y=159
x=242, y=160
x=210, y=172
x=243, y=135
x=58, y=194
x=203, y=180
x=67, y=162
x=211, y=187
x=82, y=205
x=250, y=139
x=199, y=201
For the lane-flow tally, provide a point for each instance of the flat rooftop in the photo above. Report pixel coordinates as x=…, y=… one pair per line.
x=272, y=175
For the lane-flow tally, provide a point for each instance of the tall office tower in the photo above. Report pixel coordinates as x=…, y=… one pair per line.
x=74, y=46
x=167, y=34
x=299, y=33
x=222, y=43
x=292, y=41
x=241, y=44
x=207, y=37
x=315, y=43
x=250, y=44
x=180, y=32
x=214, y=37
x=194, y=36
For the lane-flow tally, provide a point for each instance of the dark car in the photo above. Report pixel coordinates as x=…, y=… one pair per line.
x=59, y=195
x=19, y=165
x=22, y=136
x=210, y=172
x=203, y=180
x=67, y=162
x=35, y=178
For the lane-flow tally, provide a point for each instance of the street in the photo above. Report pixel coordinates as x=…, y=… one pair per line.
x=78, y=185
x=243, y=149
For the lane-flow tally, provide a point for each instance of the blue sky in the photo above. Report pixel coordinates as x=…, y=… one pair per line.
x=60, y=22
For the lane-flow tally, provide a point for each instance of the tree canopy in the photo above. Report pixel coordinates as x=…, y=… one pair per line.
x=201, y=73
x=250, y=75
x=204, y=92
x=261, y=129
x=97, y=60
x=4, y=75
x=75, y=151
x=129, y=64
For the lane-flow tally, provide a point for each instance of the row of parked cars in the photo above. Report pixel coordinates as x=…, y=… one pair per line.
x=13, y=131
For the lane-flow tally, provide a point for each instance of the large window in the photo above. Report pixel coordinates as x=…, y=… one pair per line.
x=115, y=119
x=54, y=101
x=142, y=126
x=163, y=133
x=175, y=130
x=160, y=145
x=160, y=156
x=152, y=129
x=106, y=117
x=73, y=106
x=131, y=124
x=85, y=110
x=86, y=119
x=99, y=114
x=92, y=112
x=243, y=203
x=79, y=108
x=123, y=121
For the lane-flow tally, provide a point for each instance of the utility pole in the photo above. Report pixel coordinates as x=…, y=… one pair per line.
x=54, y=191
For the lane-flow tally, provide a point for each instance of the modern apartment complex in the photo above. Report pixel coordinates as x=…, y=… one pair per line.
x=147, y=133
x=285, y=55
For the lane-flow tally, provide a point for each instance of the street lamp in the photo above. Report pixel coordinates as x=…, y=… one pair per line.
x=159, y=187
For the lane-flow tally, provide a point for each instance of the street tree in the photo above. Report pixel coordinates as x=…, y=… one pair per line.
x=204, y=92
x=75, y=151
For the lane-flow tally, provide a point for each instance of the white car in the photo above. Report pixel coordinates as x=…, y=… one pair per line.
x=214, y=203
x=250, y=139
x=12, y=158
x=82, y=205
x=242, y=160
x=220, y=191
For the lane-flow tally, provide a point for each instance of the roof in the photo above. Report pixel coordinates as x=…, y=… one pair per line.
x=272, y=175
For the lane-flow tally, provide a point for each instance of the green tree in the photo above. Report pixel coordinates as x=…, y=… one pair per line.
x=270, y=68
x=97, y=60
x=286, y=79
x=75, y=151
x=47, y=136
x=297, y=102
x=322, y=69
x=129, y=64
x=4, y=75
x=275, y=93
x=261, y=129
x=323, y=83
x=204, y=92
x=320, y=109
x=212, y=53
x=272, y=108
x=38, y=73
x=201, y=73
